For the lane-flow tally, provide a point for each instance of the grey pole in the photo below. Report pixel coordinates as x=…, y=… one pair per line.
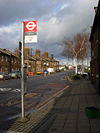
x=22, y=69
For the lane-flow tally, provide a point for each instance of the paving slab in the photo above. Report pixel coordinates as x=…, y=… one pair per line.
x=82, y=94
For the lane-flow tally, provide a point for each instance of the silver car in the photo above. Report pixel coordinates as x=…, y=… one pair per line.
x=1, y=75
x=4, y=76
x=15, y=74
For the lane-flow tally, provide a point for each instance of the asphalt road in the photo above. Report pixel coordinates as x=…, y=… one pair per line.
x=39, y=89
x=33, y=82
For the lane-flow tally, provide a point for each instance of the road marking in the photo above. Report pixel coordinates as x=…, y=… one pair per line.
x=31, y=94
x=10, y=89
x=57, y=94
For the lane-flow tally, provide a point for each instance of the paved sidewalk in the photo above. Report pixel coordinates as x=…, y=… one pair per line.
x=70, y=110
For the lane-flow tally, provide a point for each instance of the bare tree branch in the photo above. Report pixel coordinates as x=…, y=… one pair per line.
x=78, y=47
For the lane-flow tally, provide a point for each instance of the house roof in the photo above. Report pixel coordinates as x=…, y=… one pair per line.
x=7, y=52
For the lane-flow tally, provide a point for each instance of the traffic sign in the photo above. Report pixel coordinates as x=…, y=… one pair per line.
x=31, y=26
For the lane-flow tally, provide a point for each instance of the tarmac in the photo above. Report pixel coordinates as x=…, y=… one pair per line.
x=63, y=114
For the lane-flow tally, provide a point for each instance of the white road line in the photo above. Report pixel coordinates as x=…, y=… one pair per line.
x=10, y=89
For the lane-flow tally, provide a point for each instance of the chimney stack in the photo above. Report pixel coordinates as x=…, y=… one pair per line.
x=16, y=52
x=52, y=56
x=95, y=8
x=26, y=51
x=45, y=54
x=37, y=53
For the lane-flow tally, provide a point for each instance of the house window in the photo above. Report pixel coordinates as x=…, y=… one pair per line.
x=2, y=58
x=11, y=59
x=38, y=62
x=92, y=53
x=15, y=60
x=6, y=69
x=6, y=58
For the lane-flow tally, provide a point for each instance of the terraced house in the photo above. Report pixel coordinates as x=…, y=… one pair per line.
x=95, y=49
x=9, y=61
x=37, y=62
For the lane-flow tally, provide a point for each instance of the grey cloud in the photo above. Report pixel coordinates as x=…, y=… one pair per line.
x=54, y=23
x=16, y=10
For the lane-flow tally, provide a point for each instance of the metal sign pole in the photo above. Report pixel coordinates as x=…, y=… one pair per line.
x=22, y=69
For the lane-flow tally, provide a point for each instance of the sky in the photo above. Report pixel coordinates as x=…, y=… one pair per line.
x=56, y=20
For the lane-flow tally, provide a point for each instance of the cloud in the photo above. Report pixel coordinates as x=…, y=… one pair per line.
x=57, y=20
x=9, y=36
x=60, y=7
x=19, y=10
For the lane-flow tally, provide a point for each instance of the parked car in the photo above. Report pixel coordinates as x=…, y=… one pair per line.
x=39, y=73
x=80, y=72
x=58, y=70
x=1, y=75
x=83, y=74
x=15, y=74
x=4, y=76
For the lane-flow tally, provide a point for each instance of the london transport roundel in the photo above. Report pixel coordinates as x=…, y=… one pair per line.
x=31, y=26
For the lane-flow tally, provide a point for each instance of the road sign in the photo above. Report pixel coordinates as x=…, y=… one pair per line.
x=29, y=35
x=31, y=26
x=31, y=32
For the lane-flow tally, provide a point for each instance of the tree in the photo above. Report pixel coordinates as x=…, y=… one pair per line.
x=76, y=48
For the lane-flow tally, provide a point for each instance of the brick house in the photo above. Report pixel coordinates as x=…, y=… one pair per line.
x=50, y=61
x=38, y=62
x=54, y=63
x=35, y=63
x=8, y=61
x=95, y=49
x=29, y=61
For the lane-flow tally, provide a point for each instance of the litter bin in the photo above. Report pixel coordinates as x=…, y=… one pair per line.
x=92, y=112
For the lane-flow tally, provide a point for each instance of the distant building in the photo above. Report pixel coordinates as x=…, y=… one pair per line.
x=95, y=49
x=38, y=63
x=35, y=63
